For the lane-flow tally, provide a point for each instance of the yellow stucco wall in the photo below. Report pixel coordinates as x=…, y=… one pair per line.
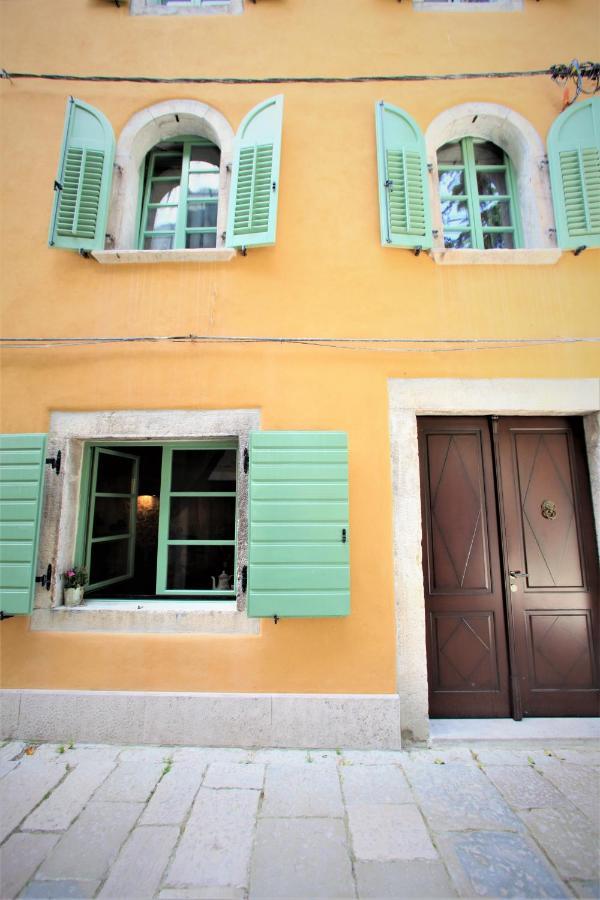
x=327, y=275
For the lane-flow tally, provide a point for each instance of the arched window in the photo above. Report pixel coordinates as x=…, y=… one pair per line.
x=477, y=196
x=180, y=195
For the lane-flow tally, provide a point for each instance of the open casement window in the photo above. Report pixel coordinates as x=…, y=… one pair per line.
x=83, y=182
x=180, y=195
x=22, y=459
x=405, y=216
x=574, y=159
x=298, y=554
x=252, y=214
x=160, y=520
x=477, y=196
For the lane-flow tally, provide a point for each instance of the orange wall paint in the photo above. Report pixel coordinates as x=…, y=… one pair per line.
x=327, y=275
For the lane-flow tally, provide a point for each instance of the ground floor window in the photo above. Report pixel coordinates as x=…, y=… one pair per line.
x=159, y=520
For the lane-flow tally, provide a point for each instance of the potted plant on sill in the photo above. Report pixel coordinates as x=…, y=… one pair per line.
x=74, y=581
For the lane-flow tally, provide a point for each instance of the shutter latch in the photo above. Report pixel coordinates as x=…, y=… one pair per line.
x=344, y=536
x=580, y=250
x=58, y=186
x=45, y=579
x=388, y=183
x=54, y=461
x=418, y=250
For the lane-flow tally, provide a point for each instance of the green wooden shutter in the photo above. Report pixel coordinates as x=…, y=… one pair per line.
x=298, y=556
x=252, y=214
x=574, y=157
x=83, y=182
x=405, y=215
x=22, y=459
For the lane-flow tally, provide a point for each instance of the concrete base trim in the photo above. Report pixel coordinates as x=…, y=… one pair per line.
x=356, y=721
x=451, y=731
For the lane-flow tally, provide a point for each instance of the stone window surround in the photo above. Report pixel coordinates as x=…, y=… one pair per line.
x=525, y=148
x=146, y=128
x=461, y=6
x=409, y=398
x=215, y=8
x=68, y=432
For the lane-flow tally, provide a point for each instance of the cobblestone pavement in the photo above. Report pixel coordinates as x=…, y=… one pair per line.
x=124, y=822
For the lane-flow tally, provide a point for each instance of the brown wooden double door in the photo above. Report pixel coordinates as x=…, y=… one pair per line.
x=510, y=568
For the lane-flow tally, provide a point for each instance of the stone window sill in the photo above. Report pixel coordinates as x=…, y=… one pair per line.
x=158, y=617
x=123, y=257
x=541, y=257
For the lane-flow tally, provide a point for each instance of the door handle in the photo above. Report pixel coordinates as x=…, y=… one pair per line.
x=514, y=573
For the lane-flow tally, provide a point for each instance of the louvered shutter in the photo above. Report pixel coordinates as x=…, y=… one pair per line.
x=298, y=554
x=252, y=214
x=83, y=182
x=21, y=481
x=574, y=157
x=405, y=215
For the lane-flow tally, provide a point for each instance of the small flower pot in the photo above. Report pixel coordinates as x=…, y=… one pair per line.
x=73, y=596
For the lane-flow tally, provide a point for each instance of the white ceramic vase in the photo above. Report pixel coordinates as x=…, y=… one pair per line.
x=73, y=596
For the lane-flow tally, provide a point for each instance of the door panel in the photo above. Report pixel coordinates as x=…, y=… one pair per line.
x=466, y=634
x=550, y=549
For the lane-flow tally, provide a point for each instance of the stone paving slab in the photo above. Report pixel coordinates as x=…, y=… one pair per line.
x=198, y=823
x=403, y=880
x=301, y=858
x=499, y=864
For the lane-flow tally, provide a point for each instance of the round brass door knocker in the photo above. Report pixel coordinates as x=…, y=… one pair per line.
x=549, y=509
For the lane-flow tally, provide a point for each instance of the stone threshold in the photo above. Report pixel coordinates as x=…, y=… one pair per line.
x=319, y=721
x=444, y=732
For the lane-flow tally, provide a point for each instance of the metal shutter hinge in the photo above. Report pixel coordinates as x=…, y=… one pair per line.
x=45, y=579
x=418, y=250
x=54, y=461
x=58, y=186
x=244, y=579
x=246, y=460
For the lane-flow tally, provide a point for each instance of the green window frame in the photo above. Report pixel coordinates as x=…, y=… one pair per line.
x=473, y=218
x=179, y=233
x=89, y=493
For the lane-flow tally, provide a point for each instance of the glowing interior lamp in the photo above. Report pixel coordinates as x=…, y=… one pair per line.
x=147, y=501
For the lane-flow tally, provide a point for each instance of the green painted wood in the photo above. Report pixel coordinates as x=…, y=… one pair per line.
x=81, y=201
x=298, y=564
x=22, y=476
x=252, y=214
x=404, y=209
x=574, y=161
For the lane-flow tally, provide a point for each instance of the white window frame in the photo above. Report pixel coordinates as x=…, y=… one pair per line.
x=147, y=128
x=522, y=144
x=488, y=6
x=69, y=432
x=195, y=8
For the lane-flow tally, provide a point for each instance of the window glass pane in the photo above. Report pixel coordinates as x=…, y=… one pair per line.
x=193, y=568
x=167, y=163
x=111, y=516
x=165, y=192
x=109, y=559
x=450, y=154
x=162, y=242
x=202, y=215
x=203, y=470
x=458, y=240
x=455, y=213
x=202, y=518
x=495, y=213
x=492, y=183
x=452, y=182
x=488, y=154
x=163, y=218
x=200, y=241
x=208, y=157
x=203, y=184
x=499, y=241
x=115, y=474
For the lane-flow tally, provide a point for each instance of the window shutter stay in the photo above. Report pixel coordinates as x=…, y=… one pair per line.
x=83, y=183
x=574, y=160
x=252, y=214
x=298, y=549
x=405, y=215
x=22, y=460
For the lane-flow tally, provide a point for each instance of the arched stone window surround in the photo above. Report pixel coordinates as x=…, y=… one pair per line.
x=525, y=148
x=144, y=130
